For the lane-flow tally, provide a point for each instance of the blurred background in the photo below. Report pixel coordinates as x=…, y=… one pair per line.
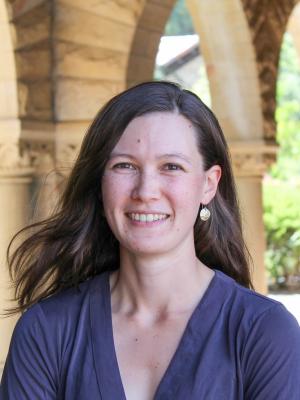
x=62, y=60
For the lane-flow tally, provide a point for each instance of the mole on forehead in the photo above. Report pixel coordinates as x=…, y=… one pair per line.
x=138, y=141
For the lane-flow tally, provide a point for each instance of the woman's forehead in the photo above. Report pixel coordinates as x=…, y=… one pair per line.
x=163, y=131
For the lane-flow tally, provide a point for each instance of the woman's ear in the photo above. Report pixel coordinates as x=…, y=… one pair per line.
x=212, y=177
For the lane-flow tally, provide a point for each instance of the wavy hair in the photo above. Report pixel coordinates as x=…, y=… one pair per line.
x=76, y=242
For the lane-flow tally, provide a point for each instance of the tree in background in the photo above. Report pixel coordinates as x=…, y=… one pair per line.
x=180, y=21
x=282, y=185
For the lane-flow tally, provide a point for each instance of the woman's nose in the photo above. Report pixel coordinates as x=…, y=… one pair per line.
x=147, y=187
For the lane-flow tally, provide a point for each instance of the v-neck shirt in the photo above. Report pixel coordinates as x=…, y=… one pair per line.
x=237, y=344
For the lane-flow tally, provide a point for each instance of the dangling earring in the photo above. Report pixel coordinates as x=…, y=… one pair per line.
x=204, y=213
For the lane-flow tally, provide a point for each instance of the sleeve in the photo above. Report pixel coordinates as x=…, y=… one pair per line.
x=30, y=370
x=271, y=357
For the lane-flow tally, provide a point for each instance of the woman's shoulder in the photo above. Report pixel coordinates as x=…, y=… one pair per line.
x=62, y=309
x=237, y=293
x=266, y=336
x=251, y=307
x=266, y=333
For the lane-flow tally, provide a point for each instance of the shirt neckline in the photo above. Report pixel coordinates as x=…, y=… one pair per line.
x=105, y=358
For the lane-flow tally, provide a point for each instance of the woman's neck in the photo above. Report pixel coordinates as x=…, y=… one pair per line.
x=154, y=288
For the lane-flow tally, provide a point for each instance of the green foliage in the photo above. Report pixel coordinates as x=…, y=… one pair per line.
x=180, y=21
x=282, y=222
x=288, y=113
x=282, y=188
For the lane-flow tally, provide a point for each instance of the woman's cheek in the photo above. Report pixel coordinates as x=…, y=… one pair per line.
x=185, y=192
x=115, y=189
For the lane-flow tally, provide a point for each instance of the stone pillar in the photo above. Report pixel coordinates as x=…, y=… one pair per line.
x=37, y=140
x=52, y=150
x=250, y=162
x=15, y=177
x=44, y=187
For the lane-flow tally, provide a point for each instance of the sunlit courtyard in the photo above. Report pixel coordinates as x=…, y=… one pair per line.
x=290, y=301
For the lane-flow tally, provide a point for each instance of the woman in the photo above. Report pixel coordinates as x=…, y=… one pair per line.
x=138, y=287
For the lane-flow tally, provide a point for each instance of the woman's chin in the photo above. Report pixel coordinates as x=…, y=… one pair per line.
x=146, y=249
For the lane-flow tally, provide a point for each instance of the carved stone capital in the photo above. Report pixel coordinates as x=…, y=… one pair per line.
x=66, y=154
x=41, y=155
x=14, y=163
x=252, y=159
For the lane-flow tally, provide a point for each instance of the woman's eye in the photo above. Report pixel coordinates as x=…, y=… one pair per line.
x=123, y=165
x=172, y=167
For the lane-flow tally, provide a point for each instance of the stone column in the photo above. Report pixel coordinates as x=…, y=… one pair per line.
x=250, y=162
x=43, y=186
x=15, y=178
x=53, y=158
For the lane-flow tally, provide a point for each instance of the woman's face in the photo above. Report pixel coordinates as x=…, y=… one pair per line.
x=153, y=184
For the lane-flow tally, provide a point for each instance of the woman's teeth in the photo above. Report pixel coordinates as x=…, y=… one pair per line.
x=147, y=217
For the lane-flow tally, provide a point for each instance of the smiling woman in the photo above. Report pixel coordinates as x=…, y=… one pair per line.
x=139, y=286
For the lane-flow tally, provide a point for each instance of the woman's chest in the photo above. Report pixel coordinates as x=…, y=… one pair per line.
x=148, y=364
x=153, y=372
x=144, y=354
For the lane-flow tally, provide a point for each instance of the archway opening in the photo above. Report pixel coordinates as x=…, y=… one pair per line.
x=179, y=58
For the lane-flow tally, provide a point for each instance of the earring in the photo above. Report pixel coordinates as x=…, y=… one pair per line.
x=204, y=213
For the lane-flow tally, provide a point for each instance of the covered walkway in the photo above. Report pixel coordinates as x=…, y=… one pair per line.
x=64, y=59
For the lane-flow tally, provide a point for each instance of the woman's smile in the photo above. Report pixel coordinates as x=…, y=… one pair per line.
x=147, y=219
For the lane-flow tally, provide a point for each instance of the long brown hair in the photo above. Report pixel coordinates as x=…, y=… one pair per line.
x=76, y=243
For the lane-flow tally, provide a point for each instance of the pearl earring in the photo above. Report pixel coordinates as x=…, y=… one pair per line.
x=204, y=213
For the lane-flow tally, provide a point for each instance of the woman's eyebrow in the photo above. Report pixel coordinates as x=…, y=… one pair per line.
x=166, y=155
x=177, y=155
x=125, y=155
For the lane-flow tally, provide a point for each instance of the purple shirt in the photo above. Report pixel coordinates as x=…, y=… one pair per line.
x=237, y=345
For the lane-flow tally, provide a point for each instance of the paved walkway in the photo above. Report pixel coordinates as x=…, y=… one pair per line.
x=290, y=301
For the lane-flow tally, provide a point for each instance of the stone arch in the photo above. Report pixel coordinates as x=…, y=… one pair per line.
x=268, y=22
x=72, y=57
x=231, y=69
x=149, y=29
x=231, y=66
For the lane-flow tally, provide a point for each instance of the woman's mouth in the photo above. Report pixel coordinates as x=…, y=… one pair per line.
x=149, y=217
